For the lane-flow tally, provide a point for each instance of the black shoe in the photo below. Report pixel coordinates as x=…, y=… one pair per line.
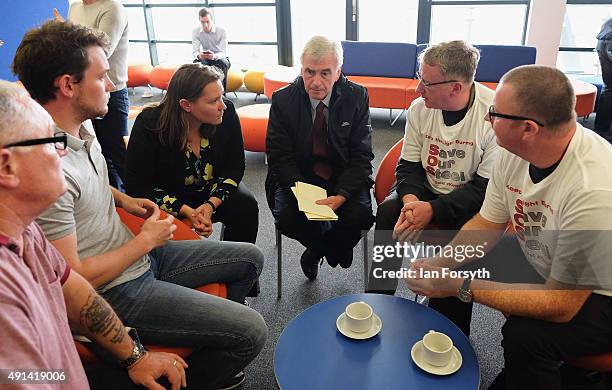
x=310, y=264
x=233, y=382
x=346, y=259
x=331, y=260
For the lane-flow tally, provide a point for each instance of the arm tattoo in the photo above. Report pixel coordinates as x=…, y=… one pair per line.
x=99, y=318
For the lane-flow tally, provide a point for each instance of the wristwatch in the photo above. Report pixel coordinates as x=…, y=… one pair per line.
x=464, y=293
x=212, y=205
x=138, y=351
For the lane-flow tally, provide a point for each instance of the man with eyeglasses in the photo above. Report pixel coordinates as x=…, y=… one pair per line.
x=139, y=274
x=447, y=156
x=553, y=278
x=41, y=299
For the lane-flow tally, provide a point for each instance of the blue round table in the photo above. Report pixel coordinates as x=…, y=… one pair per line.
x=312, y=354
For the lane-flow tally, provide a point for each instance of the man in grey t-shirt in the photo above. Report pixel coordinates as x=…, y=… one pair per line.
x=209, y=44
x=137, y=275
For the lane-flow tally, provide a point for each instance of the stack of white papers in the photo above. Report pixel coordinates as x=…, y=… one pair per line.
x=307, y=195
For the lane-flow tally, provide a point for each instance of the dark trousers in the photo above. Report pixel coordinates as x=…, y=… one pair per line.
x=533, y=349
x=333, y=239
x=222, y=63
x=240, y=215
x=110, y=131
x=603, y=119
x=386, y=218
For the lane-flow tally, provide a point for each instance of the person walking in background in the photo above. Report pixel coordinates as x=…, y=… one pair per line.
x=209, y=43
x=603, y=119
x=111, y=17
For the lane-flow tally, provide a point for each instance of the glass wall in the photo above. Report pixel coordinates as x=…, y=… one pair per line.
x=307, y=20
x=160, y=30
x=378, y=24
x=581, y=24
x=478, y=24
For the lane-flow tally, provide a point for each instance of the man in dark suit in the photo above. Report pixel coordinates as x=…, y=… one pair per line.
x=319, y=132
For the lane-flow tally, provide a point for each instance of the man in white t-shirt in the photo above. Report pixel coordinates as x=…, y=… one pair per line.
x=553, y=279
x=448, y=151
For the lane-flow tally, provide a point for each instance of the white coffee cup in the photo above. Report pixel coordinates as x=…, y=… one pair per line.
x=358, y=317
x=437, y=348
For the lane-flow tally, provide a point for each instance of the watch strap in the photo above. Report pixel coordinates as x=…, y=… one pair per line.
x=138, y=350
x=214, y=208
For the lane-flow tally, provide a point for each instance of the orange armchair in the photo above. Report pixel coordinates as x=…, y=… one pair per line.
x=385, y=175
x=182, y=232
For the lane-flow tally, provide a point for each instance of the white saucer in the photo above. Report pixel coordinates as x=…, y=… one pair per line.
x=374, y=330
x=452, y=366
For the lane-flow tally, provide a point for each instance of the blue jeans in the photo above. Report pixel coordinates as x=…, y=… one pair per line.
x=110, y=131
x=166, y=310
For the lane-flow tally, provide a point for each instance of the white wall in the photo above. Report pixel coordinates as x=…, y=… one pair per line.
x=544, y=29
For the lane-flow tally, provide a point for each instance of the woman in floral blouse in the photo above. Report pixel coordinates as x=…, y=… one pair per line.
x=187, y=155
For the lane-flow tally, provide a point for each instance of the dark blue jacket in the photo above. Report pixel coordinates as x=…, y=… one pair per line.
x=289, y=139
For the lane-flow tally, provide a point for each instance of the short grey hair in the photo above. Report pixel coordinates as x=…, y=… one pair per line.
x=20, y=114
x=456, y=59
x=320, y=46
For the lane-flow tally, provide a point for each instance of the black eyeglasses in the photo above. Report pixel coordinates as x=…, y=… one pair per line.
x=425, y=83
x=493, y=114
x=59, y=140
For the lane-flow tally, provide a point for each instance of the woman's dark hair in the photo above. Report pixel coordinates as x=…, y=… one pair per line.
x=51, y=50
x=187, y=83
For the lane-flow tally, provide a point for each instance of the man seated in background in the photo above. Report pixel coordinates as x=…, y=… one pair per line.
x=448, y=151
x=209, y=44
x=136, y=275
x=319, y=132
x=553, y=279
x=41, y=298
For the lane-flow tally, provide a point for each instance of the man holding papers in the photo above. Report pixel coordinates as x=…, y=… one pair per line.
x=319, y=147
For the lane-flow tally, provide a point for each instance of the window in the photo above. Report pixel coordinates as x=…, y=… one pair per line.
x=244, y=24
x=377, y=24
x=138, y=53
x=174, y=24
x=252, y=56
x=581, y=24
x=174, y=52
x=136, y=23
x=164, y=28
x=308, y=19
x=501, y=24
